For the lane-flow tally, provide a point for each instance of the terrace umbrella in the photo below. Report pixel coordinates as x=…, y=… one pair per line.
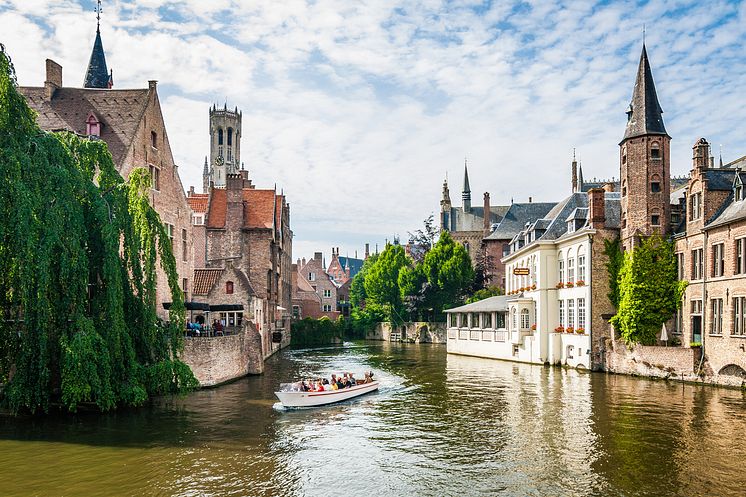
x=664, y=334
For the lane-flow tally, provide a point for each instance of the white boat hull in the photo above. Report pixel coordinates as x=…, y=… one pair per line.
x=313, y=399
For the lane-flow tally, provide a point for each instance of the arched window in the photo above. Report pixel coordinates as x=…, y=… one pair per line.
x=655, y=151
x=525, y=321
x=228, y=287
x=570, y=267
x=220, y=136
x=655, y=184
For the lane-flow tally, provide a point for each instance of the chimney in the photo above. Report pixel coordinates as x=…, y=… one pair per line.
x=596, y=208
x=152, y=84
x=530, y=199
x=304, y=261
x=191, y=191
x=233, y=182
x=317, y=256
x=700, y=154
x=486, y=215
x=54, y=78
x=367, y=250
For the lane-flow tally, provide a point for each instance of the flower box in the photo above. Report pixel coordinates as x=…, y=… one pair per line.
x=570, y=284
x=580, y=283
x=533, y=327
x=559, y=329
x=560, y=285
x=533, y=287
x=580, y=331
x=570, y=329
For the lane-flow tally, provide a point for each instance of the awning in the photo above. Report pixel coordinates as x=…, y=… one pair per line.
x=226, y=307
x=190, y=306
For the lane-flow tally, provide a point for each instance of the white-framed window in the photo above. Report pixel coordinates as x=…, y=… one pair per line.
x=717, y=316
x=581, y=313
x=561, y=269
x=155, y=177
x=170, y=233
x=695, y=203
x=198, y=219
x=311, y=276
x=327, y=293
x=525, y=319
x=327, y=308
x=570, y=313
x=571, y=269
x=680, y=265
x=739, y=316
x=718, y=260
x=561, y=312
x=487, y=320
x=514, y=321
x=740, y=256
x=697, y=260
x=581, y=267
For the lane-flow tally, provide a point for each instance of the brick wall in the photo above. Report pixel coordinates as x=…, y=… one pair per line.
x=220, y=359
x=601, y=306
x=169, y=200
x=494, y=251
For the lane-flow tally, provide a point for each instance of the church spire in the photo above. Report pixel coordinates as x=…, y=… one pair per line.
x=97, y=75
x=644, y=114
x=466, y=194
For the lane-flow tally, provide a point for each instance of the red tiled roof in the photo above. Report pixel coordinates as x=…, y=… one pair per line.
x=217, y=208
x=204, y=280
x=119, y=111
x=258, y=208
x=198, y=201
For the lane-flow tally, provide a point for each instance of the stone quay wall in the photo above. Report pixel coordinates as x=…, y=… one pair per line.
x=216, y=360
x=653, y=361
x=410, y=332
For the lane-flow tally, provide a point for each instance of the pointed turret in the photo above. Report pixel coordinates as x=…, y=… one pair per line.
x=644, y=114
x=466, y=193
x=206, y=177
x=580, y=177
x=97, y=75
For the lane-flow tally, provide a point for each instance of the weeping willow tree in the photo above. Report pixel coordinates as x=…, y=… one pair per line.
x=79, y=251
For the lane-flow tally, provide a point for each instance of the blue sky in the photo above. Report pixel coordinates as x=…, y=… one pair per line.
x=359, y=109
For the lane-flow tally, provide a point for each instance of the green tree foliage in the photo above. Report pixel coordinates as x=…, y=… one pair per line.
x=78, y=255
x=449, y=272
x=357, y=287
x=613, y=251
x=649, y=292
x=381, y=282
x=485, y=293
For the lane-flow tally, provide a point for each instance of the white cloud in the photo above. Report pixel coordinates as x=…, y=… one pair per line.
x=358, y=109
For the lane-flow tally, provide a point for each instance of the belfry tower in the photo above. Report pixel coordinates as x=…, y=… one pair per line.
x=645, y=164
x=225, y=144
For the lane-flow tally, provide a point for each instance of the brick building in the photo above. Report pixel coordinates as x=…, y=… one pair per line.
x=314, y=273
x=249, y=229
x=131, y=123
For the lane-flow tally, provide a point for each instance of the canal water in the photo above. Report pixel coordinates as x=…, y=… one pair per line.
x=441, y=425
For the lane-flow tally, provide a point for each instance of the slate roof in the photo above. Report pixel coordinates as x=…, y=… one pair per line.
x=204, y=280
x=645, y=116
x=355, y=264
x=198, y=201
x=97, y=75
x=517, y=216
x=497, y=303
x=474, y=219
x=119, y=111
x=719, y=179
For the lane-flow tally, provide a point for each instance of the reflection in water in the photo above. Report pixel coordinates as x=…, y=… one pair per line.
x=439, y=425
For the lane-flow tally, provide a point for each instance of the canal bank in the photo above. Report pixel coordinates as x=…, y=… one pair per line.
x=440, y=425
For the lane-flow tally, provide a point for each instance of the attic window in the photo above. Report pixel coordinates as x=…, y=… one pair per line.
x=92, y=126
x=154, y=139
x=229, y=287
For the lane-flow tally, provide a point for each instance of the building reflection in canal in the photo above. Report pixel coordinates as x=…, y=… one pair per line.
x=440, y=425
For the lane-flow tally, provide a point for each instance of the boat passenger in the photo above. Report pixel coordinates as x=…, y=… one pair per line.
x=353, y=381
x=319, y=385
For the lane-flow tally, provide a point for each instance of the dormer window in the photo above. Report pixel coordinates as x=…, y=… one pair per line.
x=571, y=226
x=92, y=126
x=738, y=193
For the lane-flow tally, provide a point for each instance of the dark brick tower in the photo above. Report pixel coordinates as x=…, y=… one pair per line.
x=644, y=163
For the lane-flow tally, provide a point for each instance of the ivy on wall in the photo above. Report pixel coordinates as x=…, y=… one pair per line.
x=648, y=290
x=79, y=249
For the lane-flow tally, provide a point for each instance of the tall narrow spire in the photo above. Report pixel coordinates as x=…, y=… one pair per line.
x=644, y=114
x=466, y=193
x=97, y=75
x=580, y=177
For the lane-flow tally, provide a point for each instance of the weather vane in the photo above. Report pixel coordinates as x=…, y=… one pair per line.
x=98, y=13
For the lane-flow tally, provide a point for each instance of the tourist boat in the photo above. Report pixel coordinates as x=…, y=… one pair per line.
x=315, y=399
